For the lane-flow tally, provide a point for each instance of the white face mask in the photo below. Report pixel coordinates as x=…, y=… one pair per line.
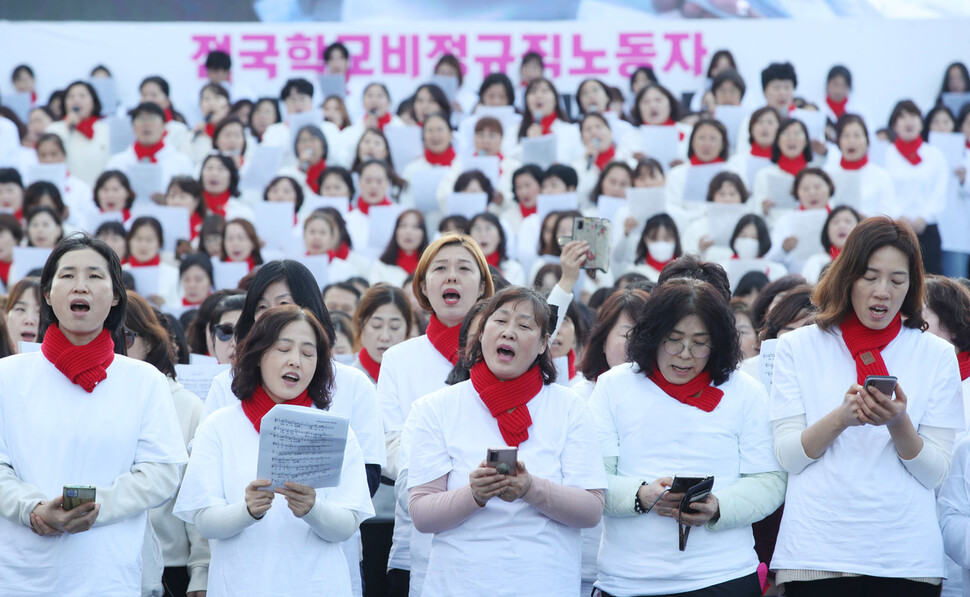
x=747, y=248
x=661, y=250
x=346, y=359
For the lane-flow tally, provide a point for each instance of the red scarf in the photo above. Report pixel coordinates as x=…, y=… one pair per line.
x=408, y=261
x=834, y=252
x=546, y=123
x=341, y=253
x=528, y=211
x=84, y=365
x=313, y=175
x=372, y=367
x=5, y=270
x=507, y=401
x=696, y=161
x=605, y=157
x=493, y=259
x=364, y=206
x=381, y=123
x=125, y=214
x=865, y=345
x=195, y=224
x=148, y=151
x=210, y=129
x=792, y=165
x=571, y=360
x=838, y=108
x=670, y=122
x=909, y=149
x=444, y=339
x=216, y=203
x=168, y=115
x=657, y=265
x=968, y=144
x=187, y=303
x=698, y=392
x=445, y=158
x=156, y=260
x=847, y=165
x=760, y=152
x=963, y=358
x=86, y=126
x=257, y=405
x=801, y=207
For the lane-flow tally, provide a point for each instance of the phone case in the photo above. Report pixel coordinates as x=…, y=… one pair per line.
x=597, y=233
x=503, y=460
x=696, y=493
x=77, y=495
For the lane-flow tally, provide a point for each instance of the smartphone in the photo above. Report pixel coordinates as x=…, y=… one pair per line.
x=682, y=484
x=884, y=383
x=697, y=493
x=503, y=460
x=77, y=495
x=596, y=233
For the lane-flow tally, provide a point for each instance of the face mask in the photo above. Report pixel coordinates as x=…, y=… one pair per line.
x=747, y=248
x=345, y=359
x=661, y=250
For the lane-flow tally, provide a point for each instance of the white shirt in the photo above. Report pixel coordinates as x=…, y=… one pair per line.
x=920, y=189
x=86, y=158
x=53, y=433
x=452, y=431
x=279, y=135
x=876, y=190
x=386, y=273
x=172, y=162
x=884, y=523
x=655, y=435
x=223, y=463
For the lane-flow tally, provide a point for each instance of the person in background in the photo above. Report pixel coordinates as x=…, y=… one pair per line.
x=266, y=113
x=23, y=313
x=240, y=243
x=489, y=233
x=145, y=241
x=43, y=228
x=196, y=279
x=403, y=251
x=84, y=134
x=341, y=297
x=838, y=225
x=222, y=327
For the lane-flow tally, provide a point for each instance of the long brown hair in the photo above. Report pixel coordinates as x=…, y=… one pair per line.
x=629, y=302
x=140, y=319
x=833, y=294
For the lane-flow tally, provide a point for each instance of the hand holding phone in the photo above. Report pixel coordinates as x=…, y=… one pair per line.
x=503, y=460
x=78, y=495
x=886, y=384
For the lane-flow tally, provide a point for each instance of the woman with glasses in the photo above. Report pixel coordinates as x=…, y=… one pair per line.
x=682, y=408
x=222, y=326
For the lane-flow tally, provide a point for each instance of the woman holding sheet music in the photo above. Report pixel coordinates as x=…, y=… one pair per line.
x=726, y=188
x=403, y=251
x=145, y=242
x=655, y=105
x=708, y=146
x=865, y=186
x=84, y=135
x=836, y=230
x=762, y=130
x=285, y=360
x=791, y=153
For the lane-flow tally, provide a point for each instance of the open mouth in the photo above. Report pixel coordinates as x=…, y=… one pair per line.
x=505, y=353
x=451, y=296
x=291, y=378
x=680, y=370
x=878, y=311
x=79, y=306
x=28, y=336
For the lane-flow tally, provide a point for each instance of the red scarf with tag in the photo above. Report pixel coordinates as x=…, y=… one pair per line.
x=313, y=175
x=792, y=165
x=838, y=108
x=546, y=123
x=493, y=259
x=847, y=165
x=963, y=358
x=156, y=260
x=216, y=203
x=381, y=123
x=364, y=206
x=85, y=365
x=5, y=270
x=865, y=345
x=143, y=152
x=372, y=367
x=527, y=211
x=444, y=339
x=760, y=152
x=909, y=149
x=257, y=405
x=86, y=126
x=657, y=265
x=696, y=161
x=698, y=392
x=445, y=158
x=408, y=261
x=340, y=253
x=605, y=157
x=507, y=401
x=571, y=363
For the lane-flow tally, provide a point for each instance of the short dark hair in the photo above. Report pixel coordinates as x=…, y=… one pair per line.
x=376, y=297
x=723, y=178
x=227, y=304
x=776, y=145
x=11, y=176
x=629, y=302
x=297, y=189
x=218, y=60
x=39, y=211
x=764, y=235
x=839, y=71
x=225, y=122
x=796, y=303
x=122, y=179
x=847, y=119
x=303, y=288
x=439, y=97
x=452, y=61
x=96, y=102
x=527, y=170
x=717, y=57
x=656, y=222
x=335, y=47
x=454, y=222
x=778, y=71
x=250, y=230
x=347, y=286
x=759, y=309
x=826, y=243
x=950, y=301
x=532, y=56
x=12, y=225
x=674, y=104
x=340, y=171
x=36, y=191
x=498, y=79
x=198, y=328
x=567, y=174
x=157, y=80
x=150, y=222
x=140, y=318
x=903, y=107
x=147, y=108
x=758, y=115
x=812, y=172
x=671, y=302
x=690, y=266
x=528, y=119
x=938, y=108
x=21, y=68
x=647, y=71
x=193, y=187
x=297, y=85
x=502, y=248
x=728, y=76
x=230, y=165
x=466, y=178
x=197, y=260
x=594, y=195
x=247, y=375
x=719, y=127
x=750, y=282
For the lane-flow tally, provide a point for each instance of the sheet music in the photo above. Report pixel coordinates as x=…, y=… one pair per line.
x=262, y=167
x=55, y=174
x=335, y=85
x=381, y=219
x=780, y=190
x=606, y=207
x=274, y=223
x=541, y=151
x=146, y=280
x=699, y=181
x=766, y=362
x=722, y=218
x=424, y=188
x=315, y=202
x=731, y=117
x=227, y=274
x=644, y=203
x=146, y=180
x=545, y=204
x=466, y=204
x=302, y=445
x=814, y=121
x=660, y=143
x=174, y=221
x=404, y=143
x=197, y=378
x=447, y=83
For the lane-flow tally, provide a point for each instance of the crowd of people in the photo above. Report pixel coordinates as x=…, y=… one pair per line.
x=714, y=378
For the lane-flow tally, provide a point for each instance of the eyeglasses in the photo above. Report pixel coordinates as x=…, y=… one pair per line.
x=697, y=351
x=224, y=331
x=130, y=336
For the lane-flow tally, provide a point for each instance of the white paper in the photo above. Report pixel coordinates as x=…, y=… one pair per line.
x=660, y=143
x=807, y=226
x=174, y=221
x=120, y=133
x=146, y=280
x=227, y=274
x=261, y=167
x=541, y=151
x=197, y=378
x=955, y=101
x=731, y=117
x=546, y=204
x=644, y=203
x=302, y=119
x=404, y=143
x=319, y=266
x=424, y=188
x=814, y=122
x=736, y=268
x=952, y=145
x=19, y=104
x=766, y=362
x=381, y=219
x=466, y=204
x=877, y=151
x=755, y=165
x=302, y=445
x=55, y=174
x=201, y=359
x=26, y=259
x=23, y=347
x=315, y=202
x=699, y=181
x=146, y=180
x=722, y=218
x=447, y=83
x=107, y=93
x=848, y=189
x=335, y=85
x=274, y=223
x=486, y=164
x=780, y=188
x=606, y=207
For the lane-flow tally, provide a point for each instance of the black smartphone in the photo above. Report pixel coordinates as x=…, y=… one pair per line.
x=884, y=383
x=503, y=460
x=682, y=483
x=697, y=493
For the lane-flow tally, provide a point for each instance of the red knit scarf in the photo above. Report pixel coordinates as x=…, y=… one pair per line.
x=84, y=365
x=571, y=363
x=169, y=116
x=445, y=158
x=364, y=206
x=313, y=175
x=865, y=345
x=210, y=129
x=834, y=252
x=657, y=265
x=670, y=122
x=847, y=165
x=444, y=339
x=493, y=258
x=964, y=359
x=760, y=152
x=340, y=253
x=5, y=270
x=86, y=126
x=257, y=405
x=195, y=223
x=838, y=108
x=408, y=261
x=148, y=152
x=372, y=367
x=528, y=211
x=605, y=157
x=187, y=303
x=381, y=123
x=792, y=165
x=156, y=260
x=216, y=203
x=698, y=392
x=546, y=123
x=909, y=149
x=507, y=401
x=696, y=161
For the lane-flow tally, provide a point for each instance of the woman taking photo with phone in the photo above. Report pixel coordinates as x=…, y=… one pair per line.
x=681, y=406
x=883, y=446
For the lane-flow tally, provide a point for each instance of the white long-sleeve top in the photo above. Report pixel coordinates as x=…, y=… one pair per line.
x=921, y=188
x=86, y=158
x=876, y=190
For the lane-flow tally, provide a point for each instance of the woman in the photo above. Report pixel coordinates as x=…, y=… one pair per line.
x=214, y=105
x=335, y=111
x=828, y=428
x=659, y=245
x=38, y=120
x=266, y=113
x=383, y=319
x=220, y=188
x=684, y=381
x=947, y=313
x=655, y=105
x=376, y=100
x=76, y=193
x=496, y=90
x=403, y=251
x=240, y=243
x=187, y=193
x=595, y=97
x=838, y=85
x=11, y=234
x=44, y=229
x=570, y=338
x=229, y=138
x=221, y=327
x=489, y=233
x=526, y=187
x=745, y=326
x=311, y=149
x=114, y=235
x=430, y=99
x=452, y=275
x=750, y=242
x=155, y=89
x=113, y=194
x=327, y=230
x=544, y=116
x=956, y=79
x=726, y=188
x=599, y=151
x=791, y=153
x=836, y=230
x=919, y=174
x=703, y=100
x=371, y=146
x=147, y=340
x=145, y=242
x=286, y=189
x=762, y=130
x=555, y=440
x=875, y=187
x=375, y=191
x=285, y=361
x=814, y=189
x=790, y=310
x=708, y=145
x=85, y=389
x=23, y=312
x=344, y=333
x=195, y=279
x=608, y=338
x=84, y=135
x=438, y=151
